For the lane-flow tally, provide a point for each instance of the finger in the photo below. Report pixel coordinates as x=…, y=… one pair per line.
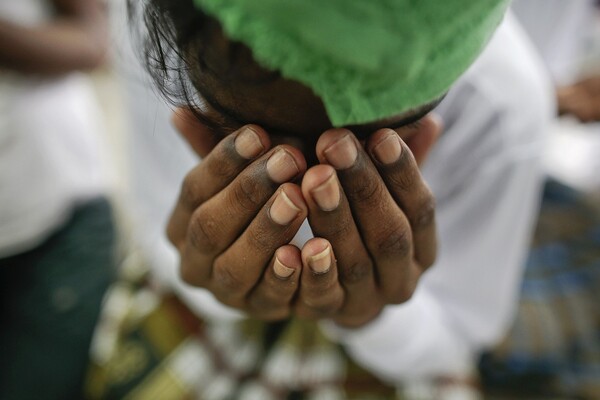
x=320, y=294
x=214, y=173
x=421, y=136
x=220, y=220
x=330, y=217
x=382, y=225
x=271, y=299
x=239, y=268
x=401, y=174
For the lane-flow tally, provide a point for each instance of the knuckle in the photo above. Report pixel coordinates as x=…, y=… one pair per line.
x=260, y=238
x=227, y=283
x=369, y=191
x=338, y=229
x=405, y=178
x=203, y=233
x=356, y=272
x=425, y=214
x=220, y=170
x=395, y=243
x=247, y=195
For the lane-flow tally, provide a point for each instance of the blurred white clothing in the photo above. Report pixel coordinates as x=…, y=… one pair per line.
x=486, y=175
x=566, y=34
x=558, y=28
x=49, y=146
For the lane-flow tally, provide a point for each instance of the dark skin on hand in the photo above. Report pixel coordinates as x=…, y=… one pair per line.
x=273, y=161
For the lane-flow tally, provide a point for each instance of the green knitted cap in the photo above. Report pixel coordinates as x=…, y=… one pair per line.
x=366, y=59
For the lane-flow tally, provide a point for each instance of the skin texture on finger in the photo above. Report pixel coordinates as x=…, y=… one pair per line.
x=320, y=294
x=240, y=267
x=213, y=174
x=421, y=136
x=333, y=220
x=384, y=228
x=219, y=221
x=399, y=170
x=225, y=215
x=271, y=299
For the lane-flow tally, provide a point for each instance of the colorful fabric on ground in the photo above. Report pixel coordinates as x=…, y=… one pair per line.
x=553, y=348
x=367, y=60
x=150, y=346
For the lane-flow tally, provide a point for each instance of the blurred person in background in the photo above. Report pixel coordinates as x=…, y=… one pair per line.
x=56, y=227
x=561, y=31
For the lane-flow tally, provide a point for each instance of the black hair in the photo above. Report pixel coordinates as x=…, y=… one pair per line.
x=161, y=30
x=174, y=37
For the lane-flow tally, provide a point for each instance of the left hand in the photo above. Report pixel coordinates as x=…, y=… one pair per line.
x=377, y=214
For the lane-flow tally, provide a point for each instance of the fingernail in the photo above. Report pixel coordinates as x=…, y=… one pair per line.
x=248, y=144
x=283, y=210
x=282, y=167
x=282, y=271
x=320, y=263
x=388, y=149
x=343, y=153
x=327, y=194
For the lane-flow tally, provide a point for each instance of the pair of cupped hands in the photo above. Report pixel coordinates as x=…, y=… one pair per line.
x=371, y=213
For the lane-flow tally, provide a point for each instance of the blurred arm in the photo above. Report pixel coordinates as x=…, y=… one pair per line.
x=76, y=39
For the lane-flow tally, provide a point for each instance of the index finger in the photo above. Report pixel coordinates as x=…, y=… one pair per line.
x=221, y=166
x=399, y=170
x=383, y=226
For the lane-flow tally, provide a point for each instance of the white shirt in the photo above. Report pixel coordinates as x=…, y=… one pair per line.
x=558, y=28
x=485, y=174
x=49, y=146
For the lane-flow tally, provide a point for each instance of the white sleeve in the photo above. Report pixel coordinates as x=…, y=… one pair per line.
x=466, y=300
x=485, y=172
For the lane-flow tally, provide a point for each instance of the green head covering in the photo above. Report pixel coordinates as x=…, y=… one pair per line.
x=366, y=59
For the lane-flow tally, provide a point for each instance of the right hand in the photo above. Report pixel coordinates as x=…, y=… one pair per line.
x=234, y=220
